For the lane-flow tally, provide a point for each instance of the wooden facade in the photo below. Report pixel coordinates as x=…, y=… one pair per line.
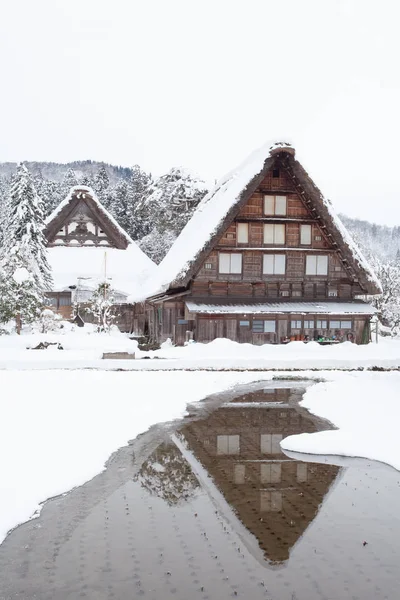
x=277, y=254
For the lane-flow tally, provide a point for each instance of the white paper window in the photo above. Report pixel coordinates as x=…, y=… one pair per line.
x=275, y=205
x=271, y=473
x=274, y=264
x=270, y=501
x=305, y=235
x=274, y=233
x=269, y=205
x=322, y=324
x=243, y=233
x=269, y=326
x=317, y=264
x=228, y=444
x=295, y=324
x=334, y=324
x=309, y=324
x=230, y=263
x=280, y=205
x=270, y=443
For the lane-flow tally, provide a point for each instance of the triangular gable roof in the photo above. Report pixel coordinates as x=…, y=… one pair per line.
x=86, y=194
x=220, y=206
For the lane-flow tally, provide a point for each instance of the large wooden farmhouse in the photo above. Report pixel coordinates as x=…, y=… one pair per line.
x=263, y=259
x=87, y=247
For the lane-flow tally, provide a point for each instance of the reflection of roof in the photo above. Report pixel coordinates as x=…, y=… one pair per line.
x=126, y=270
x=333, y=308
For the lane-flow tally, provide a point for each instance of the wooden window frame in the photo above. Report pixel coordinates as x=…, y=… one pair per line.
x=304, y=227
x=274, y=213
x=317, y=258
x=230, y=254
x=275, y=227
x=274, y=262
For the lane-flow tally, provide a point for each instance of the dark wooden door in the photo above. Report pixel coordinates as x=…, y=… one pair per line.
x=245, y=334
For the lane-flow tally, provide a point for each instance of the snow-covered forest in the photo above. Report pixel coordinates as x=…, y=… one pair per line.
x=153, y=210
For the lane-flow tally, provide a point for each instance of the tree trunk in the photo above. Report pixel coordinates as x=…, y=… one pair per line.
x=18, y=323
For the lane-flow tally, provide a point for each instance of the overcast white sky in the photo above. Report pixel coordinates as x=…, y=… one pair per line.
x=202, y=83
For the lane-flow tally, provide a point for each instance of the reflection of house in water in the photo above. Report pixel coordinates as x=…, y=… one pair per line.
x=275, y=497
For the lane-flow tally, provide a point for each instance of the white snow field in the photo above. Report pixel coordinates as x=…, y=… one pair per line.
x=59, y=427
x=82, y=348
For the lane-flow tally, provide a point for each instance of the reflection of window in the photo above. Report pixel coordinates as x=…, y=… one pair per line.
x=271, y=473
x=270, y=501
x=230, y=263
x=301, y=472
x=239, y=474
x=228, y=444
x=274, y=264
x=316, y=265
x=274, y=205
x=270, y=443
x=243, y=233
x=274, y=234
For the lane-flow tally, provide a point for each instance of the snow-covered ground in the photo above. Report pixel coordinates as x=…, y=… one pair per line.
x=82, y=348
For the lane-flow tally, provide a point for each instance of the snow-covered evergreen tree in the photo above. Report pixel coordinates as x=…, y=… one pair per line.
x=26, y=274
x=169, y=204
x=101, y=306
x=102, y=183
x=69, y=180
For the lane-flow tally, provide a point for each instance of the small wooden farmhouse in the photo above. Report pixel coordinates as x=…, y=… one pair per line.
x=86, y=247
x=264, y=259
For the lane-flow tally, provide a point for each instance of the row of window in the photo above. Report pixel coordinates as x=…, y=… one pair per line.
x=274, y=233
x=268, y=326
x=273, y=264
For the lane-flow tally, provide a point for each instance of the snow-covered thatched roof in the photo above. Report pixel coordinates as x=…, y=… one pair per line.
x=75, y=195
x=126, y=267
x=220, y=206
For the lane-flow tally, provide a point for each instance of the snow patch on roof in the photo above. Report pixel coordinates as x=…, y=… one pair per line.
x=126, y=270
x=325, y=308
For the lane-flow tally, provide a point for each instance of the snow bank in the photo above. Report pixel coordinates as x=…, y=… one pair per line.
x=83, y=349
x=365, y=410
x=59, y=428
